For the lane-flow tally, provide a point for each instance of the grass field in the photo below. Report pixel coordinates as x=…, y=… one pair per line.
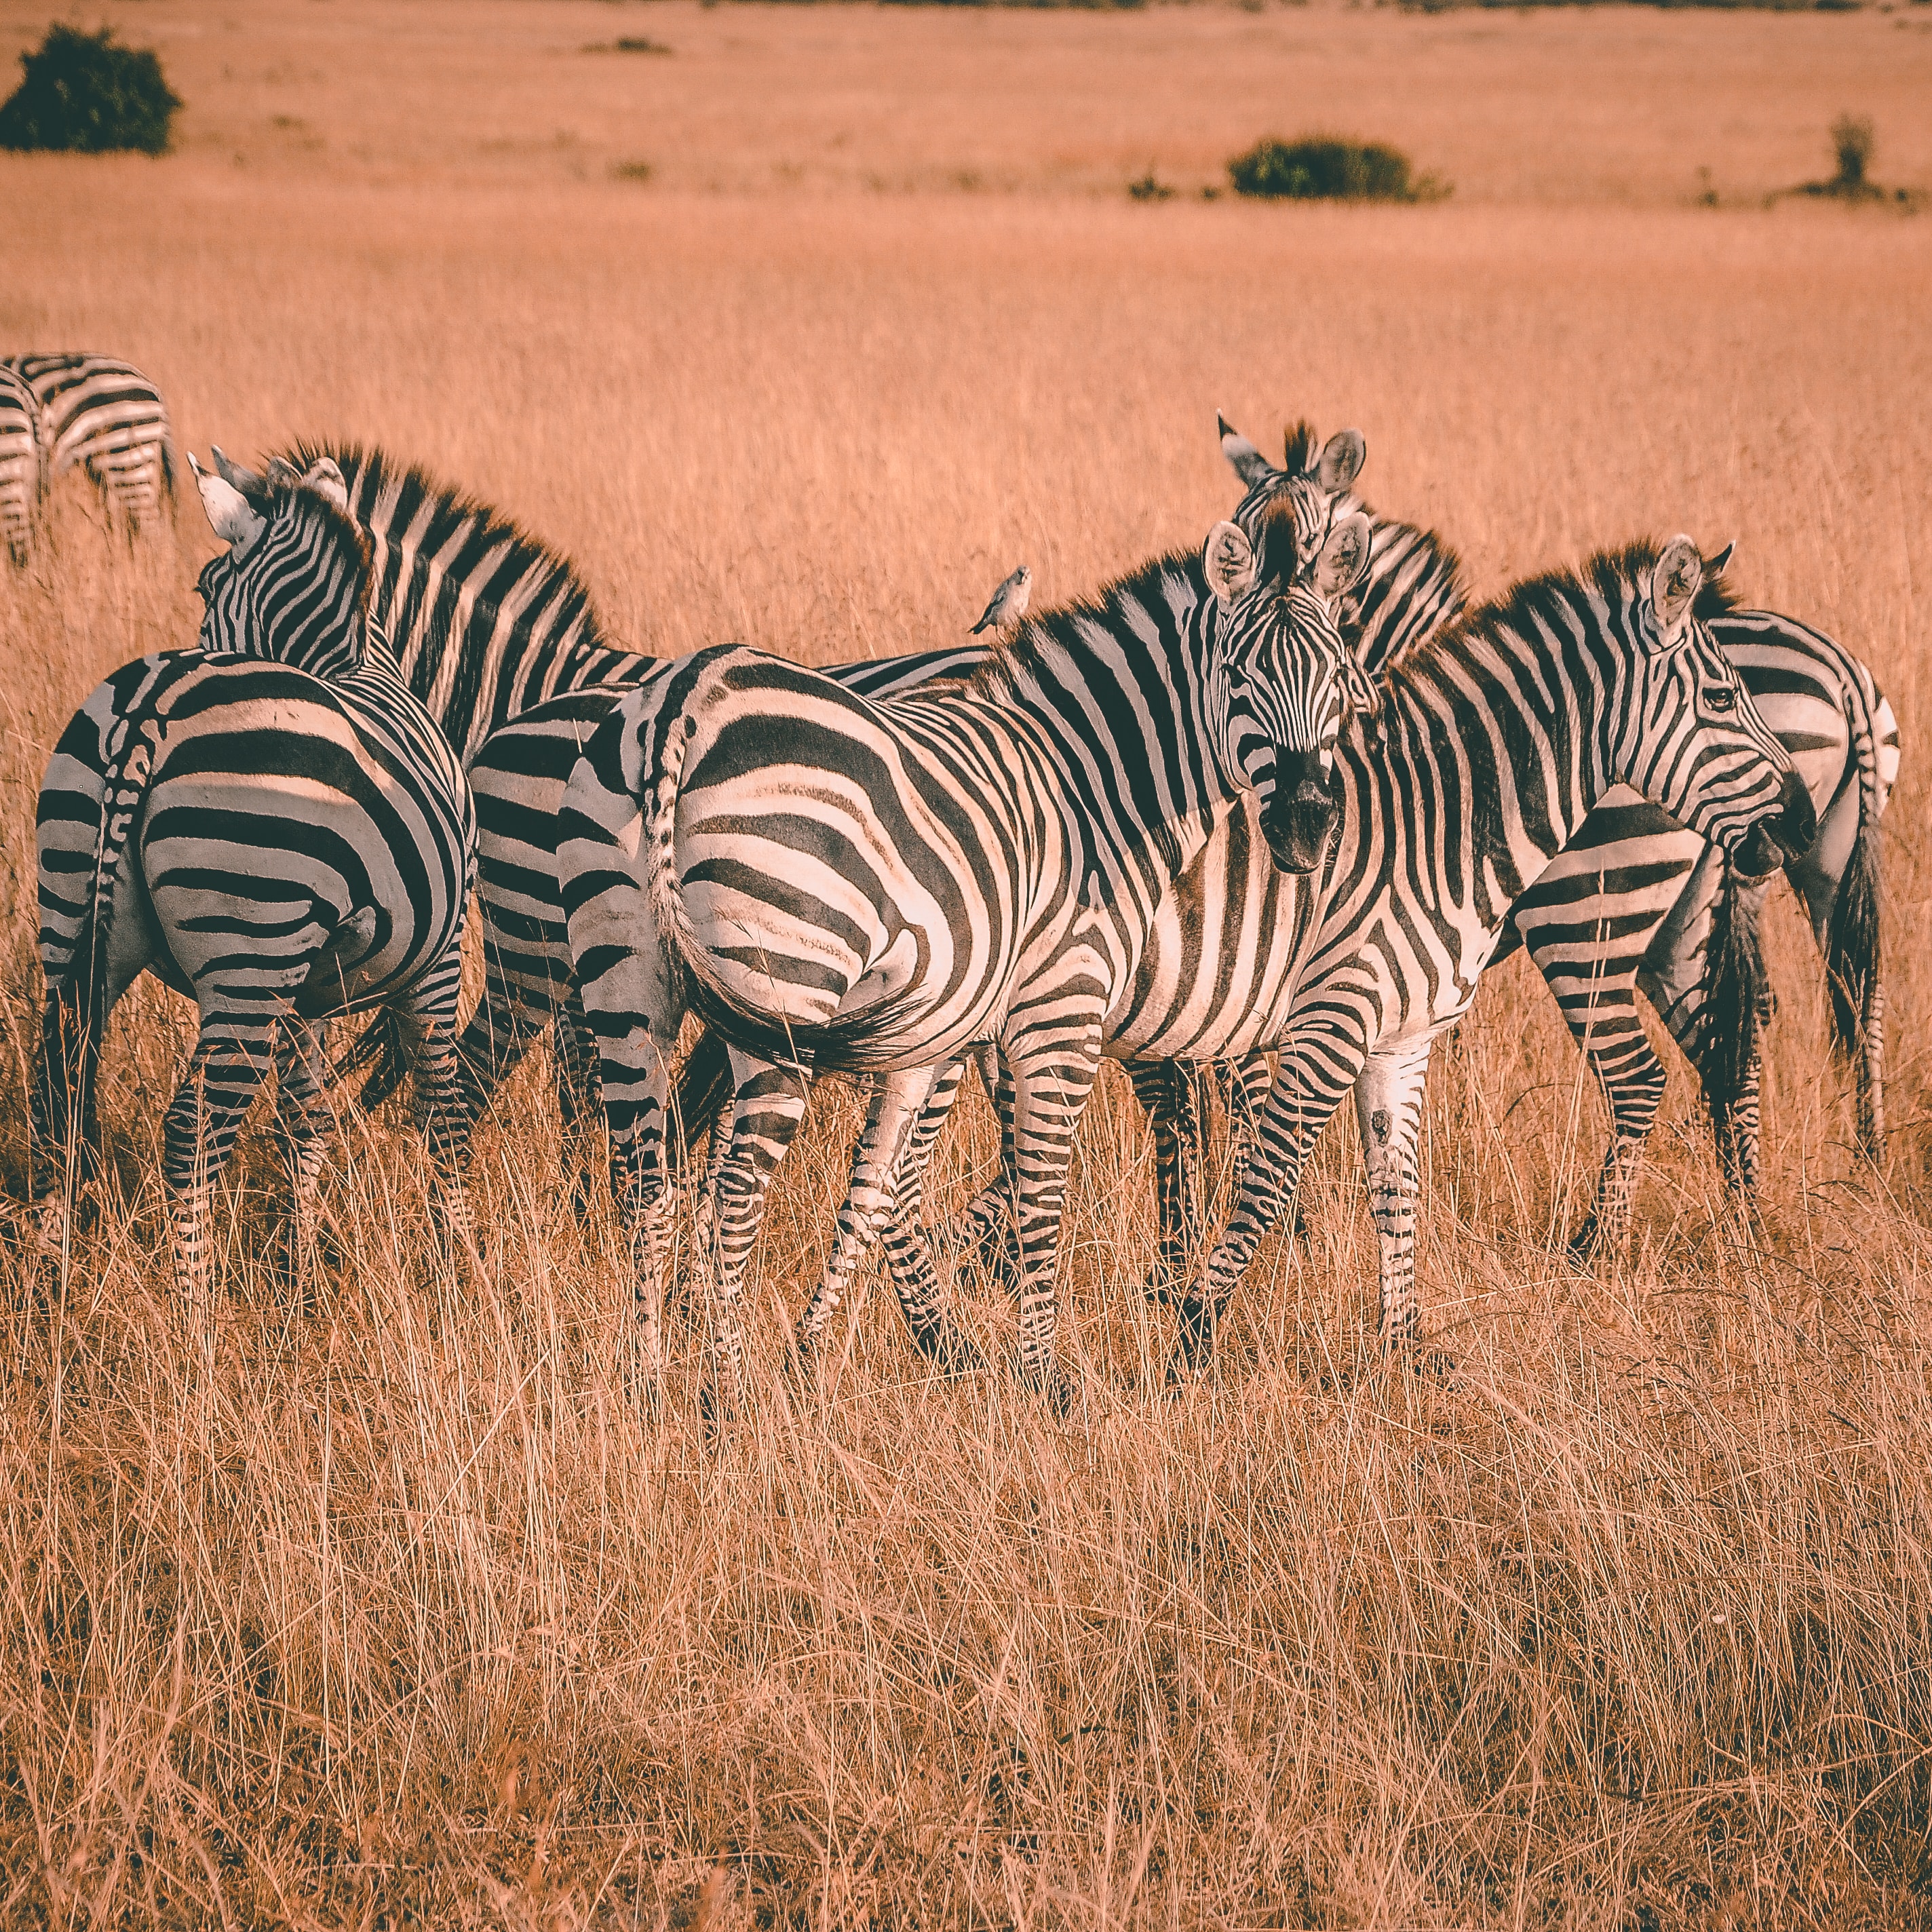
x=408, y=1617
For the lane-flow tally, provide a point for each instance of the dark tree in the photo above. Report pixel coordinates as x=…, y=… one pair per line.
x=83, y=95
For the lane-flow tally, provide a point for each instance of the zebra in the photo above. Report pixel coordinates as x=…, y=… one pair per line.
x=1493, y=741
x=288, y=838
x=832, y=882
x=19, y=463
x=102, y=414
x=1631, y=903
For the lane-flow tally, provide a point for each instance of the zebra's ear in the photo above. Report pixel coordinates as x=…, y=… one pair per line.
x=236, y=475
x=1231, y=562
x=1250, y=465
x=282, y=473
x=228, y=511
x=1344, y=557
x=1674, y=582
x=1343, y=456
x=1714, y=567
x=325, y=477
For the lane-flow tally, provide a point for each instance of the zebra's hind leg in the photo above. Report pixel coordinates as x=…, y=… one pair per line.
x=306, y=1125
x=983, y=1232
x=888, y=1187
x=768, y=1107
x=427, y=1015
x=231, y=1059
x=63, y=1152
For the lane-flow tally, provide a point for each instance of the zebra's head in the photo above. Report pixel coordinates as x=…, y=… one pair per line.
x=293, y=583
x=1281, y=681
x=1693, y=742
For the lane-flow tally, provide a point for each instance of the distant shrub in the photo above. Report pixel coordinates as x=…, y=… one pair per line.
x=634, y=43
x=631, y=171
x=1149, y=188
x=1322, y=168
x=1852, y=139
x=83, y=95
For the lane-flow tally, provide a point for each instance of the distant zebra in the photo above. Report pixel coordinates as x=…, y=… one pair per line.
x=835, y=883
x=1494, y=740
x=19, y=463
x=1630, y=903
x=287, y=838
x=104, y=415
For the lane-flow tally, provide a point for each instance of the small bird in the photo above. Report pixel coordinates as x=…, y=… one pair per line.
x=1009, y=605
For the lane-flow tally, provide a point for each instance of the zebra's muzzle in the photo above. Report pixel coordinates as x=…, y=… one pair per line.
x=1767, y=845
x=1298, y=818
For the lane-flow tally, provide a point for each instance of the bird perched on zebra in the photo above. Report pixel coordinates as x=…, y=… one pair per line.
x=832, y=883
x=287, y=838
x=1636, y=902
x=1497, y=737
x=101, y=415
x=19, y=463
x=1008, y=605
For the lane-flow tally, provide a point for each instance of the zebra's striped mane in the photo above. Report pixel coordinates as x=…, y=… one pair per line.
x=1612, y=575
x=430, y=515
x=1027, y=656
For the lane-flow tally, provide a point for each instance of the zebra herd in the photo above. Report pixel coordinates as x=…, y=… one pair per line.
x=1268, y=808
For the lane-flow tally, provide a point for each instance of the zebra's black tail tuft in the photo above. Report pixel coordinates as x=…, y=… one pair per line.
x=1737, y=997
x=703, y=1085
x=1852, y=946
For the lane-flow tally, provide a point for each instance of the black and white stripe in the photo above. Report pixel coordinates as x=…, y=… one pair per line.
x=832, y=883
x=1495, y=741
x=101, y=415
x=1628, y=906
x=287, y=838
x=20, y=464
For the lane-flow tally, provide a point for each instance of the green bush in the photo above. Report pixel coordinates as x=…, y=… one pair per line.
x=83, y=94
x=1322, y=168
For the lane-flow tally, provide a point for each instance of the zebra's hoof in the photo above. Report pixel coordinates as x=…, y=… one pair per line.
x=1583, y=1244
x=1050, y=1384
x=952, y=1353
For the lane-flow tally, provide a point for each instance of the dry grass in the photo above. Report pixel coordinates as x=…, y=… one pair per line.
x=408, y=1619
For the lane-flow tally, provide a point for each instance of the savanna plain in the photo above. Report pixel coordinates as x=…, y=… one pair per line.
x=804, y=332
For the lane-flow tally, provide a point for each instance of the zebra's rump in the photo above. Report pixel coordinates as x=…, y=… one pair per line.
x=278, y=815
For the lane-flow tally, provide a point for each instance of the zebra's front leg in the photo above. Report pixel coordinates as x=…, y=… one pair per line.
x=231, y=1059
x=1388, y=1107
x=1053, y=1079
x=1308, y=1087
x=768, y=1106
x=305, y=1125
x=898, y=1102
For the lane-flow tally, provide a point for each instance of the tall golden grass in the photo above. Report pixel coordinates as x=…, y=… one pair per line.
x=408, y=1617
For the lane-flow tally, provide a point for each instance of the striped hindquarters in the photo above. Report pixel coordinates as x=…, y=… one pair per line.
x=102, y=414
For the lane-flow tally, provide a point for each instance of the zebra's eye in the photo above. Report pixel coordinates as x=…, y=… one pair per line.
x=1721, y=697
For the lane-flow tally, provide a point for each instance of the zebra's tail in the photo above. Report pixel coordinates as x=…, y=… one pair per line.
x=380, y=1046
x=1738, y=998
x=1853, y=946
x=703, y=1085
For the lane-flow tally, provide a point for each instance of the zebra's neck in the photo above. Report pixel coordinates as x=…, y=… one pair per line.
x=485, y=621
x=1114, y=689
x=1495, y=738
